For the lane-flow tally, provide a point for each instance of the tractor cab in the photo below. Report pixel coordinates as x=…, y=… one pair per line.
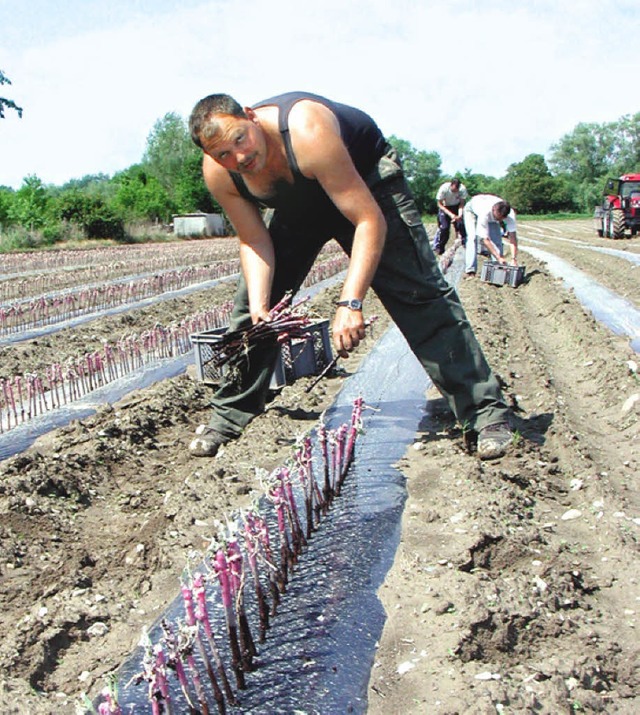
x=620, y=209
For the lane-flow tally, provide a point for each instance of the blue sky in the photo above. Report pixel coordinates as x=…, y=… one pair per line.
x=483, y=83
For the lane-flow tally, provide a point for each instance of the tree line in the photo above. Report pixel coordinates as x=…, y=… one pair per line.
x=168, y=181
x=572, y=181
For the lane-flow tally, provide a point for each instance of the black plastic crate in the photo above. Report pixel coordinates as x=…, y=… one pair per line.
x=500, y=275
x=296, y=358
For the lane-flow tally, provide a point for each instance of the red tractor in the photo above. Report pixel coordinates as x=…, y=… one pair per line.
x=620, y=210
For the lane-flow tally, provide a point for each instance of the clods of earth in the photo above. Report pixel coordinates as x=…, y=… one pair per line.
x=515, y=585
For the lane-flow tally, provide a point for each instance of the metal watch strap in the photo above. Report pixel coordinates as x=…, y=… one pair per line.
x=353, y=304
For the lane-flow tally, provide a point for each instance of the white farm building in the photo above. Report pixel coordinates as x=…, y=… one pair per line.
x=199, y=224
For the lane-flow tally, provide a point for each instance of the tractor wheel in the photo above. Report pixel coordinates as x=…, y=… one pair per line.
x=606, y=224
x=618, y=223
x=600, y=232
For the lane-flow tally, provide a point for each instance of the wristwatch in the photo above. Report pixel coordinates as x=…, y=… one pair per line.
x=353, y=304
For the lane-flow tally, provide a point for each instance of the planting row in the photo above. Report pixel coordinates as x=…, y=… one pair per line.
x=55, y=270
x=54, y=281
x=49, y=310
x=140, y=257
x=25, y=396
x=192, y=665
x=56, y=307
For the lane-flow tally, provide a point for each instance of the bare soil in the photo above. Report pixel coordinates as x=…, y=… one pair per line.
x=515, y=586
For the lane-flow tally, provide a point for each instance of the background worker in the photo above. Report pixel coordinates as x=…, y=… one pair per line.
x=484, y=215
x=451, y=198
x=328, y=172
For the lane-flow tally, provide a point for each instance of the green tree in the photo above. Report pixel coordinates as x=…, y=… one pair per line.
x=480, y=183
x=7, y=103
x=585, y=154
x=30, y=204
x=190, y=191
x=6, y=199
x=422, y=169
x=169, y=145
x=531, y=188
x=585, y=157
x=627, y=151
x=140, y=196
x=175, y=162
x=586, y=195
x=91, y=214
x=94, y=184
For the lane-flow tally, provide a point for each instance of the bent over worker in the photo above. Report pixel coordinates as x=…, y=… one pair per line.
x=483, y=219
x=328, y=172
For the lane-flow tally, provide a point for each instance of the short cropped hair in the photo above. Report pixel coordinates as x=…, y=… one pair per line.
x=455, y=183
x=503, y=208
x=202, y=124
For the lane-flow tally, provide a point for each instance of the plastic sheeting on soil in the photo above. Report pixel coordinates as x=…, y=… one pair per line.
x=23, y=436
x=319, y=650
x=625, y=255
x=615, y=312
x=318, y=653
x=124, y=308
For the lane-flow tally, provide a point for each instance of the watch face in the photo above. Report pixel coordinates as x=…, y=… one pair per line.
x=353, y=304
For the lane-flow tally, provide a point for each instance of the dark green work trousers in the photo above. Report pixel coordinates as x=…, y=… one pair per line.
x=409, y=283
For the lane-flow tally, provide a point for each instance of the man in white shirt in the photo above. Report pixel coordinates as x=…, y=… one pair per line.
x=483, y=219
x=451, y=198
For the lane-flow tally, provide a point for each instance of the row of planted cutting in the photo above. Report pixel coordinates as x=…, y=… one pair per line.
x=24, y=275
x=40, y=289
x=58, y=308
x=136, y=258
x=194, y=668
x=55, y=295
x=27, y=395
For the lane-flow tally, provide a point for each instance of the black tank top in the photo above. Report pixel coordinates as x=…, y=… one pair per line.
x=305, y=200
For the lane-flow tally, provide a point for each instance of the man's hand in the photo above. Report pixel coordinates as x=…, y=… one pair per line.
x=258, y=315
x=493, y=251
x=348, y=330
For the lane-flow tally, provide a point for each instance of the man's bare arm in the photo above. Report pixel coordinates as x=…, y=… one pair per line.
x=322, y=155
x=444, y=208
x=513, y=241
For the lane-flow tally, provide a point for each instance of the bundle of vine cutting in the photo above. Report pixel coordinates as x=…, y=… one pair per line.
x=284, y=323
